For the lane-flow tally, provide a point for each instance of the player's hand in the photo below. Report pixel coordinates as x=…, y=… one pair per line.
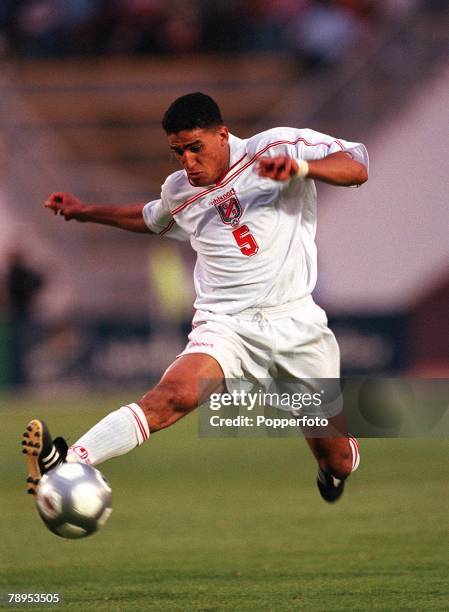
x=280, y=168
x=67, y=205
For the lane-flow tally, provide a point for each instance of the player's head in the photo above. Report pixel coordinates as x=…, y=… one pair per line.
x=195, y=110
x=198, y=136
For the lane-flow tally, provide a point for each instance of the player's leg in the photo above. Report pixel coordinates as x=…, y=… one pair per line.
x=187, y=383
x=331, y=447
x=309, y=354
x=337, y=457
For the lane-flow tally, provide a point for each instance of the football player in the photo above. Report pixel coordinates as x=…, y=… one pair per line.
x=248, y=208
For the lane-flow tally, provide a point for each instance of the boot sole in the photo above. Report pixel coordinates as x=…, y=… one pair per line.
x=32, y=442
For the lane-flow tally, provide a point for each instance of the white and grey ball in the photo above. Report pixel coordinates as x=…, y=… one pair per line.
x=74, y=500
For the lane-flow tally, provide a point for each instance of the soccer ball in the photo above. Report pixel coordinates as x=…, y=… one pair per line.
x=74, y=500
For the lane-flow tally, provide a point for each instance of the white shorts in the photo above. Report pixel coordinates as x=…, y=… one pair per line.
x=266, y=345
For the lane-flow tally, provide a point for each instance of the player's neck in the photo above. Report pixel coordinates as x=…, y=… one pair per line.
x=225, y=168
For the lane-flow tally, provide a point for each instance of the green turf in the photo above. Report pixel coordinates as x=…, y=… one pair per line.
x=233, y=524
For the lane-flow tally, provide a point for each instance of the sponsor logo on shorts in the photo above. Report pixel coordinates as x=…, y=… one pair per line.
x=201, y=344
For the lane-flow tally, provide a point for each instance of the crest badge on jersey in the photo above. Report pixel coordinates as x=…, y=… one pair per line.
x=228, y=207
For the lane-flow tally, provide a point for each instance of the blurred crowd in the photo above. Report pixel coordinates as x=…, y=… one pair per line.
x=313, y=28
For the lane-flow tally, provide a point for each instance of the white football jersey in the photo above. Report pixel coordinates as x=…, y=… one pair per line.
x=254, y=237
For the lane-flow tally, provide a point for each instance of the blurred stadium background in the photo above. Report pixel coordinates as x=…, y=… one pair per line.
x=83, y=85
x=229, y=524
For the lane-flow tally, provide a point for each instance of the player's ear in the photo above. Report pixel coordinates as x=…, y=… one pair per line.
x=223, y=133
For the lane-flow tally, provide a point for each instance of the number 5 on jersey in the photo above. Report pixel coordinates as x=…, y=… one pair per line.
x=245, y=241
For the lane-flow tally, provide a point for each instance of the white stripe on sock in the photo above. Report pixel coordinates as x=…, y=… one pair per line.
x=355, y=453
x=143, y=430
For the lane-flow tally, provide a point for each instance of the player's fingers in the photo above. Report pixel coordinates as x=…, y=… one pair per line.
x=54, y=199
x=285, y=170
x=279, y=169
x=265, y=167
x=270, y=167
x=268, y=163
x=51, y=206
x=266, y=172
x=263, y=172
x=287, y=164
x=58, y=196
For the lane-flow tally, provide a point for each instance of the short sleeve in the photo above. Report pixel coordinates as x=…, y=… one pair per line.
x=312, y=145
x=159, y=220
x=315, y=145
x=305, y=144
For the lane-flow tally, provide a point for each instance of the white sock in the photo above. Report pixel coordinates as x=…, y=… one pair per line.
x=116, y=434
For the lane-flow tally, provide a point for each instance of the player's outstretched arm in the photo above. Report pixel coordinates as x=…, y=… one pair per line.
x=128, y=217
x=336, y=169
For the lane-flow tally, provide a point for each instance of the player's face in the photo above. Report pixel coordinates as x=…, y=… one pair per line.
x=203, y=153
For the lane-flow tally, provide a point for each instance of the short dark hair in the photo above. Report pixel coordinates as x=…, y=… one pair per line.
x=194, y=110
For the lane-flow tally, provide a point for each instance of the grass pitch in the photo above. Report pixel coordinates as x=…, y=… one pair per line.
x=232, y=524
